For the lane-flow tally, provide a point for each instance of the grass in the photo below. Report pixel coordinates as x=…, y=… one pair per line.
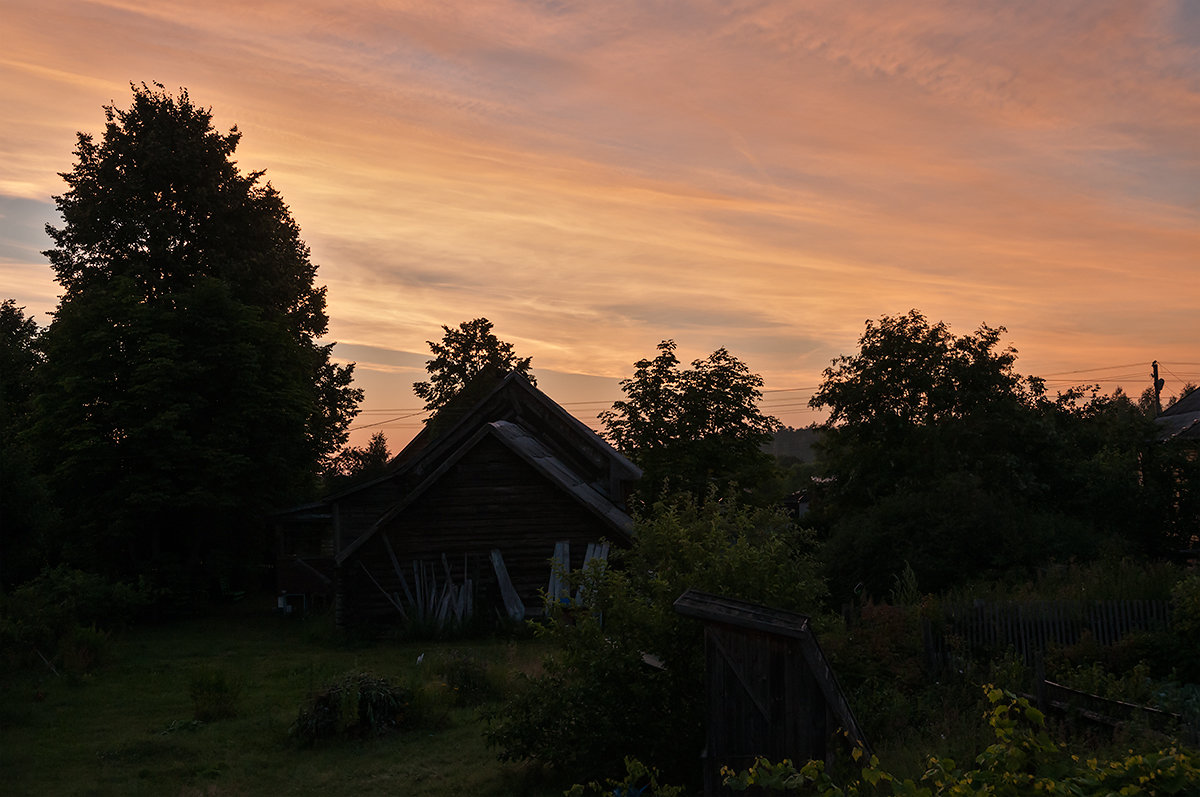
x=130, y=728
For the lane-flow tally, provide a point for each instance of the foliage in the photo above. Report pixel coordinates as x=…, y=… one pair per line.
x=639, y=781
x=1185, y=622
x=19, y=360
x=911, y=373
x=469, y=359
x=694, y=428
x=184, y=390
x=1023, y=760
x=27, y=517
x=354, y=705
x=354, y=465
x=472, y=682
x=627, y=671
x=937, y=453
x=66, y=611
x=215, y=695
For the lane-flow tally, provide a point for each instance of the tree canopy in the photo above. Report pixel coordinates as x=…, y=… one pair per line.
x=692, y=428
x=355, y=465
x=939, y=454
x=184, y=389
x=465, y=358
x=19, y=359
x=24, y=512
x=911, y=372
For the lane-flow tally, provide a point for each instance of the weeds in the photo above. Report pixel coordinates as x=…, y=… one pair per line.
x=215, y=696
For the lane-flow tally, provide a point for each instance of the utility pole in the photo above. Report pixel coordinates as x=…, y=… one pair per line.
x=1158, y=386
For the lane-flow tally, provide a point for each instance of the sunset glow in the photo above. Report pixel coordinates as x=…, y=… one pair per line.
x=596, y=177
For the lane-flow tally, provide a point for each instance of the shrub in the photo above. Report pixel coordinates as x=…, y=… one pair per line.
x=470, y=681
x=1023, y=760
x=626, y=676
x=1185, y=621
x=639, y=781
x=215, y=696
x=354, y=705
x=66, y=612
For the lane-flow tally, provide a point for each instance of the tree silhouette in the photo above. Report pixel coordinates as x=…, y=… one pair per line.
x=692, y=429
x=185, y=388
x=465, y=358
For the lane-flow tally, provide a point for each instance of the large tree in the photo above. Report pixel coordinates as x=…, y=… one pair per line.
x=692, y=429
x=467, y=360
x=939, y=454
x=185, y=388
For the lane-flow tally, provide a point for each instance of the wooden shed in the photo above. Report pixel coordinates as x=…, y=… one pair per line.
x=769, y=689
x=491, y=497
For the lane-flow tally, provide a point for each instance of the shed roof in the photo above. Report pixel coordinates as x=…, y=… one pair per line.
x=740, y=614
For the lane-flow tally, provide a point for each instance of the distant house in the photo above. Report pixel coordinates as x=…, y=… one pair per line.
x=1181, y=421
x=490, y=495
x=1179, y=426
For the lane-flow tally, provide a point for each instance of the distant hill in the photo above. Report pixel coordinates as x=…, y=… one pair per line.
x=796, y=443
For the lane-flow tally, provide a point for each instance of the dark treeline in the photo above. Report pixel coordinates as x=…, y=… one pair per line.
x=939, y=454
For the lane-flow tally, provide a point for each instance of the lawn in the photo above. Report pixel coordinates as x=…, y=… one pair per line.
x=128, y=728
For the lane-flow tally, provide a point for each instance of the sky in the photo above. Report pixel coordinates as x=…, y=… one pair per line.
x=597, y=177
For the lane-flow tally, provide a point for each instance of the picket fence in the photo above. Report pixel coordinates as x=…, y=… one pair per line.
x=1029, y=628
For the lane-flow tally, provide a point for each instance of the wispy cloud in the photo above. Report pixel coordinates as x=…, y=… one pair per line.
x=597, y=177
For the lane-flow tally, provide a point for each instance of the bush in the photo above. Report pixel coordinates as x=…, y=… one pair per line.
x=354, y=705
x=66, y=611
x=214, y=696
x=626, y=677
x=470, y=681
x=639, y=781
x=1185, y=622
x=1023, y=760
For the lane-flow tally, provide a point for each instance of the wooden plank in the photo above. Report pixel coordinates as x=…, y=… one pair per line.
x=560, y=566
x=386, y=594
x=512, y=601
x=396, y=566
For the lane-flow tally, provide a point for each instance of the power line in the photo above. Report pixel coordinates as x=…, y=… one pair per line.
x=381, y=423
x=1098, y=368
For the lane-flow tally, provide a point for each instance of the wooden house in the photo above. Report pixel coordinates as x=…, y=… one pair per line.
x=488, y=498
x=769, y=689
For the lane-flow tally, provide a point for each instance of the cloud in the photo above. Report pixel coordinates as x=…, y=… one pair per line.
x=755, y=173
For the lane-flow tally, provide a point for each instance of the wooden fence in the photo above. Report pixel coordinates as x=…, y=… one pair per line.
x=987, y=628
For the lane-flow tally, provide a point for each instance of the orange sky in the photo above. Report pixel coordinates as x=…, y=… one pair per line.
x=595, y=177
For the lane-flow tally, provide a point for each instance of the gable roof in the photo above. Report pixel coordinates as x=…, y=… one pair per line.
x=514, y=398
x=530, y=450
